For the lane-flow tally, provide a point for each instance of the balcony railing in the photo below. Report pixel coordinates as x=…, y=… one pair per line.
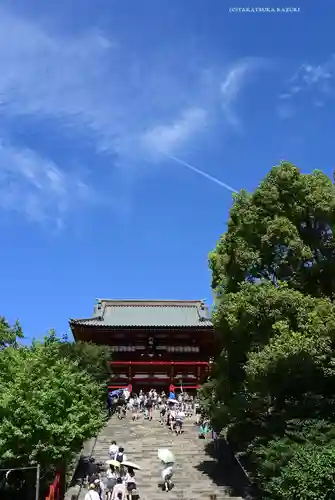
x=159, y=363
x=159, y=348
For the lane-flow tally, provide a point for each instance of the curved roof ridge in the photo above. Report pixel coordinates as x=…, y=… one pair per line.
x=142, y=302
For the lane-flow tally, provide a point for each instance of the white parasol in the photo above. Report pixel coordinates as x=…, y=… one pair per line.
x=166, y=456
x=113, y=462
x=126, y=463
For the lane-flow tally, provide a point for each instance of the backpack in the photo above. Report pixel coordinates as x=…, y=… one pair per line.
x=119, y=457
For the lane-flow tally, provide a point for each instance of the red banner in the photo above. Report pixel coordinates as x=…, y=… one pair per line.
x=54, y=489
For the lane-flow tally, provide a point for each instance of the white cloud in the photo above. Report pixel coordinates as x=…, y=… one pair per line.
x=88, y=83
x=36, y=187
x=316, y=80
x=236, y=79
x=308, y=75
x=91, y=84
x=48, y=76
x=168, y=139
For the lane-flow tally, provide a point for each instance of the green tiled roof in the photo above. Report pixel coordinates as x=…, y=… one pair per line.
x=159, y=313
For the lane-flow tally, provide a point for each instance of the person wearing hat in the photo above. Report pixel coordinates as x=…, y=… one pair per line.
x=92, y=493
x=100, y=487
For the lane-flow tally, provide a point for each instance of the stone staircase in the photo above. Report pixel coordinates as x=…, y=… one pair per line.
x=193, y=467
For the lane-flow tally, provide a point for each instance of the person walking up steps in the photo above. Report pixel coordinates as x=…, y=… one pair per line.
x=130, y=483
x=162, y=412
x=167, y=459
x=92, y=493
x=113, y=449
x=119, y=491
x=149, y=406
x=136, y=408
x=120, y=456
x=112, y=476
x=167, y=474
x=180, y=416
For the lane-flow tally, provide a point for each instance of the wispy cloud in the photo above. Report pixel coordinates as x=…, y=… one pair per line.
x=316, y=81
x=237, y=77
x=36, y=187
x=168, y=139
x=131, y=109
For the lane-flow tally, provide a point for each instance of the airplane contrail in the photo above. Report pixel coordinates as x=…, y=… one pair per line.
x=200, y=172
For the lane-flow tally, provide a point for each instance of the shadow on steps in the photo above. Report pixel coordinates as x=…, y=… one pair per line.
x=225, y=471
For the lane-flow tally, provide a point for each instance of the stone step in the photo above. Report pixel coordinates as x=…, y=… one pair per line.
x=141, y=439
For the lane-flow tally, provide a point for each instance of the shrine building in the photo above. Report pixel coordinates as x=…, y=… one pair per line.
x=154, y=343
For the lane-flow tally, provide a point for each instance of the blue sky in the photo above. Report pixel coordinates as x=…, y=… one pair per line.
x=98, y=102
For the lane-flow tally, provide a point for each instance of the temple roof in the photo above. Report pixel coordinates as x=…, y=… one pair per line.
x=147, y=313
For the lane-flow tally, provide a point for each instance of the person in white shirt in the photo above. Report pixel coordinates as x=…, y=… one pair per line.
x=130, y=481
x=172, y=418
x=130, y=404
x=180, y=416
x=167, y=474
x=92, y=493
x=112, y=476
x=100, y=487
x=119, y=490
x=129, y=478
x=162, y=413
x=113, y=449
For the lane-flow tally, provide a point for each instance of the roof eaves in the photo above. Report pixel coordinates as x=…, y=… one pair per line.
x=81, y=320
x=97, y=322
x=149, y=302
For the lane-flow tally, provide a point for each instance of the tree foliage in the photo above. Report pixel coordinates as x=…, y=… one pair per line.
x=274, y=277
x=9, y=335
x=92, y=358
x=48, y=406
x=283, y=231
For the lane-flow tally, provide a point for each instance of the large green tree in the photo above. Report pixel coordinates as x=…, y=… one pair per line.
x=283, y=231
x=48, y=406
x=274, y=278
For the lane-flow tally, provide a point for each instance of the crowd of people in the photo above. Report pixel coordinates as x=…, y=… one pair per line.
x=171, y=410
x=118, y=482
